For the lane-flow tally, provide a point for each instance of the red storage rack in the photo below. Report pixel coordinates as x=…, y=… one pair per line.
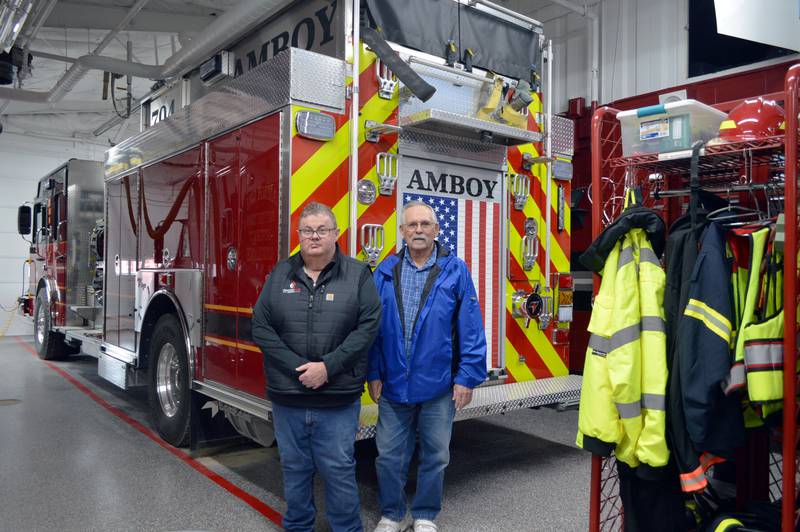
x=719, y=165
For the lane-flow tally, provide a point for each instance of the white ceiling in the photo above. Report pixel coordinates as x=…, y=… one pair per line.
x=75, y=28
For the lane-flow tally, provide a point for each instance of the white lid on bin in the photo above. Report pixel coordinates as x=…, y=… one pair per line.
x=681, y=107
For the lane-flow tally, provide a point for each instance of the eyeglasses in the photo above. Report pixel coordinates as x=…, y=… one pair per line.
x=307, y=232
x=417, y=225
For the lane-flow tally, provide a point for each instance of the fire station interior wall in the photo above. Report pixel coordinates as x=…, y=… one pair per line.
x=23, y=161
x=643, y=47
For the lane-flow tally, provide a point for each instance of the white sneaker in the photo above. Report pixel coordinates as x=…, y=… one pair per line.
x=387, y=525
x=425, y=525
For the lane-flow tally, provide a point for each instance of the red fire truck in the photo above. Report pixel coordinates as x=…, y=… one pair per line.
x=153, y=261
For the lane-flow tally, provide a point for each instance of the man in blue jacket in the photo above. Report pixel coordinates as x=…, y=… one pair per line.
x=429, y=354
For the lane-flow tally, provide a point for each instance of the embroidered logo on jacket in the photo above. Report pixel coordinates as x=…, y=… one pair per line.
x=293, y=289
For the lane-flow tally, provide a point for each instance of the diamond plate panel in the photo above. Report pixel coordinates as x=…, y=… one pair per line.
x=291, y=75
x=317, y=79
x=563, y=136
x=427, y=144
x=498, y=399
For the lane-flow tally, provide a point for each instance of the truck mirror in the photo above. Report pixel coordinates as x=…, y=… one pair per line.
x=24, y=220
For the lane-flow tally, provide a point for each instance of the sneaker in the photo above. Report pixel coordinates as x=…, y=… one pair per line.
x=387, y=525
x=425, y=525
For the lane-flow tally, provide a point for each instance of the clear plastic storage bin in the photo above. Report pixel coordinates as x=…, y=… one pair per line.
x=668, y=127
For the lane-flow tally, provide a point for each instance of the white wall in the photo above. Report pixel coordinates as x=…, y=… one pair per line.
x=643, y=43
x=23, y=161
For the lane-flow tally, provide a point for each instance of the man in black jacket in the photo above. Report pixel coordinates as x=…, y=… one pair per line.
x=315, y=320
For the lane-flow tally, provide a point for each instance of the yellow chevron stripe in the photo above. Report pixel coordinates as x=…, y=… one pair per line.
x=319, y=167
x=515, y=367
x=540, y=342
x=541, y=171
x=557, y=254
x=390, y=234
x=342, y=212
x=372, y=175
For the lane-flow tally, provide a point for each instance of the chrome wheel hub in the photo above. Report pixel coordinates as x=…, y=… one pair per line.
x=40, y=324
x=168, y=380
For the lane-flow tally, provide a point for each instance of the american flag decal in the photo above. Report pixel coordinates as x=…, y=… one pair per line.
x=471, y=229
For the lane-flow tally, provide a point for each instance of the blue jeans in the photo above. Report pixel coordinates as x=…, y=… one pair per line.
x=395, y=437
x=320, y=439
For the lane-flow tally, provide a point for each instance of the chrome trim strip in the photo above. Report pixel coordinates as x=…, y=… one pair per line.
x=256, y=406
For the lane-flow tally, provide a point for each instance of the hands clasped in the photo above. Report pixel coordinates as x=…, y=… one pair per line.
x=313, y=374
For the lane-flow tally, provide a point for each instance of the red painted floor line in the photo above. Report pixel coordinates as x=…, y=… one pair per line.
x=249, y=499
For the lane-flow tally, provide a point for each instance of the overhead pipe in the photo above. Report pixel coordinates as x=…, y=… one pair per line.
x=30, y=30
x=233, y=23
x=12, y=17
x=76, y=72
x=594, y=18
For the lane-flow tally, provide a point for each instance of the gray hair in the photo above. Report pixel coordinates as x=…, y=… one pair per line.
x=318, y=209
x=417, y=203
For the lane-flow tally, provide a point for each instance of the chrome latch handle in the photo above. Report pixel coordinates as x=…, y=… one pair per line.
x=387, y=168
x=387, y=81
x=520, y=190
x=530, y=244
x=372, y=242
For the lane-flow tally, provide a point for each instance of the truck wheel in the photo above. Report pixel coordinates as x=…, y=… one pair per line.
x=169, y=382
x=49, y=344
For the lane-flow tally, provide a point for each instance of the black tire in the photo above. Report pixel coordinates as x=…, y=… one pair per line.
x=49, y=344
x=169, y=382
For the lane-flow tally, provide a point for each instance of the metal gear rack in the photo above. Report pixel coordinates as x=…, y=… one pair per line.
x=720, y=165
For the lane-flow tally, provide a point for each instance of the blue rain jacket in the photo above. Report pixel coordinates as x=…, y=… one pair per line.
x=448, y=345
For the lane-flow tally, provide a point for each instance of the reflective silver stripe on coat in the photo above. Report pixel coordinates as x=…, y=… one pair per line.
x=629, y=410
x=653, y=401
x=735, y=378
x=625, y=336
x=625, y=256
x=762, y=354
x=599, y=345
x=648, y=255
x=722, y=326
x=654, y=323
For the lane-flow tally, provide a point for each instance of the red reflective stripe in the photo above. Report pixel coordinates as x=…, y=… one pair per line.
x=247, y=498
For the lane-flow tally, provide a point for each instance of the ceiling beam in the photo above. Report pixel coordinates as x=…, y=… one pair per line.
x=78, y=15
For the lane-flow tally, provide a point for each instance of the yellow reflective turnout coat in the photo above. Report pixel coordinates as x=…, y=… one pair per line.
x=622, y=405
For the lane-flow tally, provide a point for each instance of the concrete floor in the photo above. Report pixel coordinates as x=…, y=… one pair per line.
x=70, y=461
